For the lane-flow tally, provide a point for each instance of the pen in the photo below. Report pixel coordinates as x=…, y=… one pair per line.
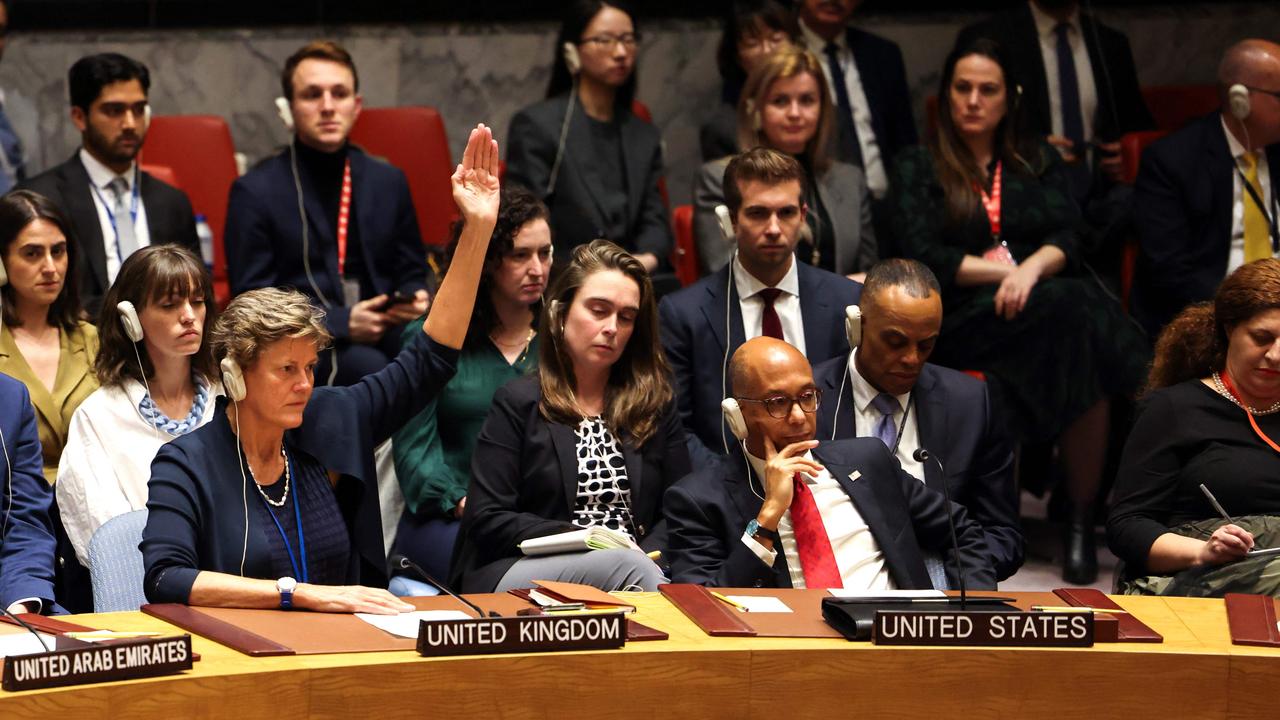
x=740, y=606
x=1214, y=502
x=1076, y=608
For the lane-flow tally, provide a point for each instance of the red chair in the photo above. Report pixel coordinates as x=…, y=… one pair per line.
x=684, y=257
x=413, y=139
x=199, y=151
x=1131, y=147
x=641, y=111
x=1173, y=106
x=163, y=173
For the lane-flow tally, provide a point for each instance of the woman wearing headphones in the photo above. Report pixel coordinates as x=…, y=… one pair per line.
x=157, y=382
x=43, y=341
x=785, y=106
x=989, y=210
x=593, y=440
x=274, y=502
x=583, y=150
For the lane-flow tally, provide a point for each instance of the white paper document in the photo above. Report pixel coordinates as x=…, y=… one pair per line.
x=843, y=593
x=25, y=644
x=406, y=624
x=760, y=603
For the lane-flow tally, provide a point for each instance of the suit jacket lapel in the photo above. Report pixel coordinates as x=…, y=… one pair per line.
x=813, y=309
x=1220, y=165
x=1103, y=114
x=362, y=208
x=832, y=196
x=41, y=399
x=580, y=138
x=930, y=402
x=1028, y=42
x=748, y=506
x=633, y=145
x=869, y=77
x=566, y=444
x=713, y=310
x=84, y=217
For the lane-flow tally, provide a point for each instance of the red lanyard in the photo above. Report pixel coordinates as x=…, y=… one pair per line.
x=344, y=213
x=992, y=202
x=1226, y=383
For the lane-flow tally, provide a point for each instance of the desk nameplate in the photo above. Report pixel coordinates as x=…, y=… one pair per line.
x=986, y=629
x=98, y=662
x=524, y=634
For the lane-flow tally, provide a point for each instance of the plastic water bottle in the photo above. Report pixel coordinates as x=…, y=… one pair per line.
x=206, y=240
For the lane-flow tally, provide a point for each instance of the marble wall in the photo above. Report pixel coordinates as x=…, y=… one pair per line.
x=475, y=73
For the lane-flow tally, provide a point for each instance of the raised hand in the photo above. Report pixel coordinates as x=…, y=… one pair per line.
x=781, y=467
x=475, y=181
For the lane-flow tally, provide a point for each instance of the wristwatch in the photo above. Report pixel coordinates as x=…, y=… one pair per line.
x=286, y=585
x=755, y=529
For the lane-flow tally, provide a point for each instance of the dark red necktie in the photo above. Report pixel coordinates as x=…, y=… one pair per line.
x=817, y=560
x=770, y=323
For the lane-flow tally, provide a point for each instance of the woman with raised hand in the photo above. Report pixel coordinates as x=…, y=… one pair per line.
x=274, y=503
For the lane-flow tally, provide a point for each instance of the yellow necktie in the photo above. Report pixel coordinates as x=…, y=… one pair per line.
x=1257, y=240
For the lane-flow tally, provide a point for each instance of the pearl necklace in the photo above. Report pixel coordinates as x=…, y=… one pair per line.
x=283, y=498
x=1224, y=392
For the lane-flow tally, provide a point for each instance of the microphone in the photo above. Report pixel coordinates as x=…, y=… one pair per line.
x=922, y=455
x=400, y=562
x=24, y=624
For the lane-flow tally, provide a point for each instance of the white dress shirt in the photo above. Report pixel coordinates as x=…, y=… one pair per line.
x=1084, y=69
x=1240, y=196
x=872, y=163
x=866, y=416
x=101, y=176
x=858, y=555
x=787, y=305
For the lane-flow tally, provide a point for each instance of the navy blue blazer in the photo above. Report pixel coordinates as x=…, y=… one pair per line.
x=708, y=511
x=692, y=324
x=524, y=483
x=1182, y=208
x=576, y=215
x=953, y=414
x=264, y=233
x=195, y=516
x=27, y=546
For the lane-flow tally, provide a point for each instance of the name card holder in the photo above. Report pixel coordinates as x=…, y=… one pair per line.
x=521, y=634
x=983, y=629
x=98, y=662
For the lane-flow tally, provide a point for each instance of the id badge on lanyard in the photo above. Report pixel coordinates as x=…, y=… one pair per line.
x=999, y=250
x=350, y=285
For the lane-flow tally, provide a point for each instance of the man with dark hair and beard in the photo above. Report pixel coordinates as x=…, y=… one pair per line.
x=112, y=205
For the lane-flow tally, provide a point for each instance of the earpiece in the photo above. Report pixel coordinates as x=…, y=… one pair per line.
x=285, y=112
x=232, y=379
x=733, y=418
x=726, y=224
x=571, y=58
x=1238, y=101
x=129, y=319
x=853, y=325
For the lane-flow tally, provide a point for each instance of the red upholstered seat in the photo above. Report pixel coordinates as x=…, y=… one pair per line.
x=1173, y=106
x=684, y=257
x=200, y=156
x=413, y=139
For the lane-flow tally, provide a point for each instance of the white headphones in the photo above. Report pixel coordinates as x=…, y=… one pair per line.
x=232, y=379
x=284, y=112
x=726, y=224
x=733, y=417
x=853, y=325
x=1238, y=101
x=572, y=60
x=129, y=319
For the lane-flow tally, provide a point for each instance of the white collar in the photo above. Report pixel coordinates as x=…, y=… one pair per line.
x=101, y=175
x=748, y=285
x=817, y=44
x=1046, y=23
x=758, y=465
x=864, y=393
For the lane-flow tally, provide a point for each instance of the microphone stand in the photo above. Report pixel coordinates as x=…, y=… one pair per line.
x=400, y=562
x=922, y=455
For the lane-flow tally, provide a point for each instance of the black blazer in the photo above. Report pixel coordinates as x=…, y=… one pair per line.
x=524, y=480
x=194, y=507
x=708, y=511
x=692, y=324
x=264, y=233
x=1121, y=108
x=953, y=414
x=576, y=217
x=1182, y=208
x=169, y=220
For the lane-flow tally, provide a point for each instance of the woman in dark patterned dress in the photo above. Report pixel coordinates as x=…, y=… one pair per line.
x=991, y=214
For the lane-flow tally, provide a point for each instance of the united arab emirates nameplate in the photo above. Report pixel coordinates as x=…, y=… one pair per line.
x=97, y=663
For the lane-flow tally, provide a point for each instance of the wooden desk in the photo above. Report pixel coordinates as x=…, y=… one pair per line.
x=1195, y=673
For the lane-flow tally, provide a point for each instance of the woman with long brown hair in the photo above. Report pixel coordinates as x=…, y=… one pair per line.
x=989, y=210
x=1210, y=419
x=592, y=440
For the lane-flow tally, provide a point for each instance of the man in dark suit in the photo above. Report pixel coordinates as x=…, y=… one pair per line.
x=790, y=511
x=27, y=546
x=113, y=207
x=868, y=82
x=1195, y=215
x=325, y=218
x=764, y=290
x=884, y=389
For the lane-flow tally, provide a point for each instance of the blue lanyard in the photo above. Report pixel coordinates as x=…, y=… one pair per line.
x=133, y=207
x=301, y=576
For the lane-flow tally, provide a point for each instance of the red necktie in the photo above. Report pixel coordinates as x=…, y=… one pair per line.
x=812, y=544
x=770, y=323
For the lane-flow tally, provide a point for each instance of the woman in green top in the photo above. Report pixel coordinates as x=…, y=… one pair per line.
x=433, y=451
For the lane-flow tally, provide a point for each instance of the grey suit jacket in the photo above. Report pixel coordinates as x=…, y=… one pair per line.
x=843, y=191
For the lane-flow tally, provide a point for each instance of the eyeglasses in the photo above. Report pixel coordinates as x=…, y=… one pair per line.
x=779, y=406
x=606, y=42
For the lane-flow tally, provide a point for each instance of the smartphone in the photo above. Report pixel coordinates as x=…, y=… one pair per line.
x=401, y=298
